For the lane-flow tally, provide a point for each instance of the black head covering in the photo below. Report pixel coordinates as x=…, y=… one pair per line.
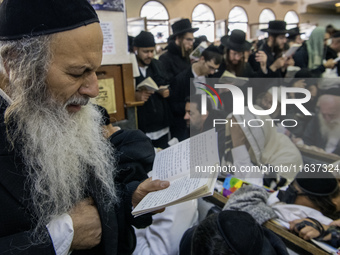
x=237, y=41
x=27, y=18
x=241, y=232
x=336, y=35
x=182, y=26
x=144, y=40
x=294, y=32
x=317, y=183
x=276, y=27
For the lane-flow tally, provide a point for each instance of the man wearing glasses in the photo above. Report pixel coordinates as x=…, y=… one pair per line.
x=185, y=85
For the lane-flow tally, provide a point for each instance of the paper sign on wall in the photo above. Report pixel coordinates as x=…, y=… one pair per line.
x=108, y=46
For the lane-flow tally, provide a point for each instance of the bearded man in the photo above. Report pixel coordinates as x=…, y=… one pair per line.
x=323, y=131
x=57, y=171
x=273, y=47
x=180, y=45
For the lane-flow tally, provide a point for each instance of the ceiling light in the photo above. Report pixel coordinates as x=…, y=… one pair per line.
x=337, y=4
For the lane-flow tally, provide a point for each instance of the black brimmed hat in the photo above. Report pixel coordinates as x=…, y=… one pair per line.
x=28, y=18
x=317, y=183
x=144, y=40
x=276, y=27
x=182, y=26
x=294, y=32
x=237, y=41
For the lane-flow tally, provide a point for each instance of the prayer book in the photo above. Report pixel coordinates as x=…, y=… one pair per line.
x=230, y=78
x=150, y=84
x=197, y=52
x=190, y=166
x=291, y=50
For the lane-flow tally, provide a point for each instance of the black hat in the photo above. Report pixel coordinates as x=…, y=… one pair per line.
x=182, y=26
x=317, y=183
x=144, y=40
x=241, y=232
x=336, y=35
x=277, y=27
x=294, y=32
x=23, y=18
x=237, y=41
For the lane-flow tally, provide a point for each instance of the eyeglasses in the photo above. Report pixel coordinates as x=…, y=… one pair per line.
x=211, y=68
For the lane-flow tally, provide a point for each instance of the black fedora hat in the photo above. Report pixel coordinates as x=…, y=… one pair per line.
x=276, y=27
x=182, y=26
x=237, y=41
x=294, y=32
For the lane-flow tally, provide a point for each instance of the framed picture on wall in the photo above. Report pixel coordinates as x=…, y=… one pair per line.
x=108, y=5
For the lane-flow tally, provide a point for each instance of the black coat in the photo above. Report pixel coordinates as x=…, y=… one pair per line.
x=330, y=53
x=181, y=87
x=154, y=114
x=270, y=60
x=17, y=219
x=173, y=61
x=301, y=59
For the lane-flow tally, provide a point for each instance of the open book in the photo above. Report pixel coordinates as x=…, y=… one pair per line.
x=150, y=84
x=191, y=168
x=197, y=52
x=291, y=50
x=230, y=78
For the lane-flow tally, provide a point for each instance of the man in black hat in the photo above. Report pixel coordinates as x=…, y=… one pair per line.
x=58, y=186
x=333, y=51
x=180, y=45
x=273, y=47
x=294, y=36
x=235, y=60
x=154, y=116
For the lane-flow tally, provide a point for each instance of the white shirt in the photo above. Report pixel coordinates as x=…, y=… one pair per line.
x=61, y=232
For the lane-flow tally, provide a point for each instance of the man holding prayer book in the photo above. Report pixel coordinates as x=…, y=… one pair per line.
x=154, y=115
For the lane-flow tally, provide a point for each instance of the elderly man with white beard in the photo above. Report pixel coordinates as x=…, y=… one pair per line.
x=323, y=131
x=57, y=171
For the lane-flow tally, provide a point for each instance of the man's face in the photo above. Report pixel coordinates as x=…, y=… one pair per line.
x=193, y=116
x=145, y=55
x=209, y=67
x=188, y=41
x=329, y=112
x=336, y=44
x=235, y=56
x=280, y=41
x=77, y=54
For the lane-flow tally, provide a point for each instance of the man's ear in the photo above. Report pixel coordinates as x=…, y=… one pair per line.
x=135, y=50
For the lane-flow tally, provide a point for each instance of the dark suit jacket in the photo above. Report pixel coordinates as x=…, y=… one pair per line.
x=17, y=219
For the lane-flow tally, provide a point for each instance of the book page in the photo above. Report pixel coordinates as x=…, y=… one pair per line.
x=291, y=50
x=178, y=189
x=183, y=158
x=172, y=162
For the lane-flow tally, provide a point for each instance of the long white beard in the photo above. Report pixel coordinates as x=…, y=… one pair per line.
x=61, y=151
x=329, y=130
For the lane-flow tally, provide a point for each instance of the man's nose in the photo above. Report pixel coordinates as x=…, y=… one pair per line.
x=90, y=86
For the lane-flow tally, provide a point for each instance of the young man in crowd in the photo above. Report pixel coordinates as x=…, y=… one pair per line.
x=154, y=116
x=180, y=45
x=185, y=85
x=273, y=47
